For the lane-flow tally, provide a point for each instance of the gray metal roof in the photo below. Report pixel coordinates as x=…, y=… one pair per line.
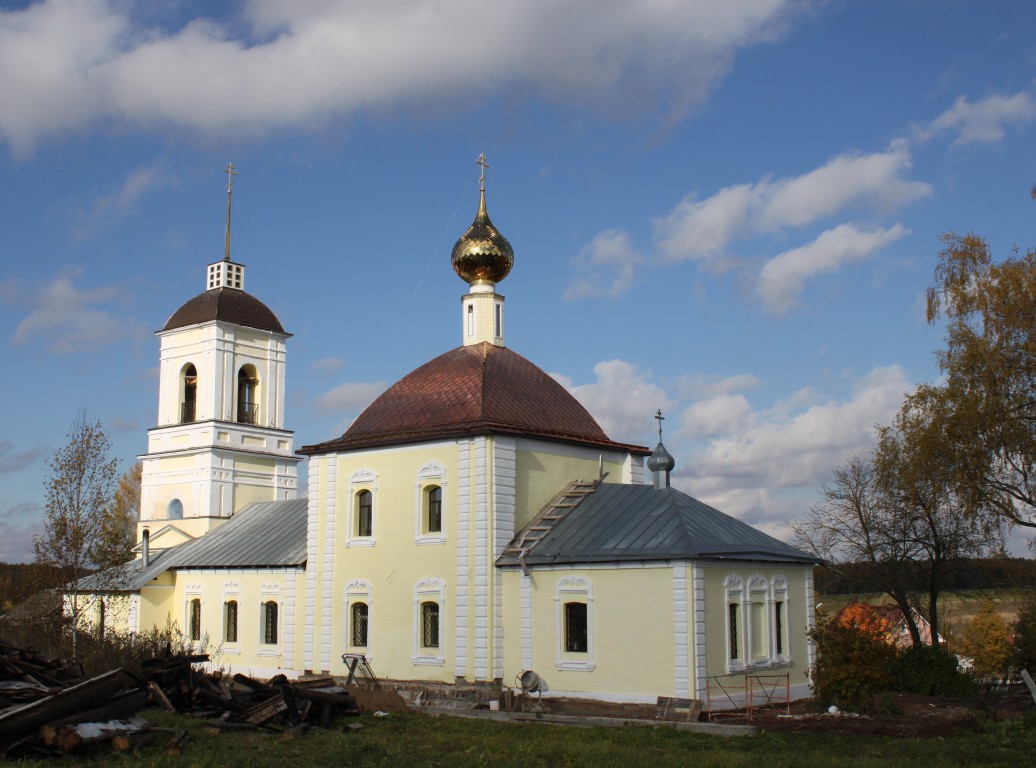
x=268, y=534
x=617, y=522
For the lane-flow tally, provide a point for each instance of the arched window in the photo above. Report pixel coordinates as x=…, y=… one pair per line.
x=247, y=395
x=364, y=513
x=358, y=624
x=174, y=510
x=429, y=624
x=194, y=619
x=433, y=509
x=574, y=606
x=99, y=618
x=230, y=621
x=270, y=622
x=189, y=393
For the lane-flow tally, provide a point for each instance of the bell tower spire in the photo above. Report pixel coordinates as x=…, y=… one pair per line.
x=482, y=257
x=225, y=273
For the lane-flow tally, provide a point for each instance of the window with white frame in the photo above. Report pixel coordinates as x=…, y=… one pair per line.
x=430, y=488
x=359, y=625
x=574, y=623
x=362, y=508
x=364, y=514
x=358, y=615
x=194, y=619
x=781, y=650
x=429, y=613
x=734, y=591
x=758, y=629
x=230, y=621
x=270, y=626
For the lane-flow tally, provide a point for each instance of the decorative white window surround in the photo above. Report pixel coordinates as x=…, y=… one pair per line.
x=231, y=591
x=432, y=589
x=428, y=475
x=358, y=591
x=734, y=591
x=779, y=594
x=574, y=589
x=194, y=592
x=768, y=594
x=267, y=593
x=362, y=480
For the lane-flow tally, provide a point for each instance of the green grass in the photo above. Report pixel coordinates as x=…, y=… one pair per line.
x=447, y=742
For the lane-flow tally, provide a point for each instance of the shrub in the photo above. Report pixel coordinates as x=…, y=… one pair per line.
x=931, y=671
x=852, y=665
x=987, y=640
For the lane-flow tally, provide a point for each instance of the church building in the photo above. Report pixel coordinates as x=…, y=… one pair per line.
x=474, y=523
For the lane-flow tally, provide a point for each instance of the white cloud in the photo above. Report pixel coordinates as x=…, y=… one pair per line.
x=623, y=399
x=350, y=396
x=759, y=464
x=328, y=366
x=604, y=268
x=702, y=229
x=12, y=460
x=981, y=122
x=700, y=385
x=794, y=445
x=69, y=64
x=783, y=277
x=119, y=204
x=65, y=319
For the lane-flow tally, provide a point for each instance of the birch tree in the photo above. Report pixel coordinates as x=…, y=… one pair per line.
x=78, y=494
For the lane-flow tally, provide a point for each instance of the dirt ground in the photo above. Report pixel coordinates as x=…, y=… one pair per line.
x=900, y=715
x=904, y=716
x=379, y=701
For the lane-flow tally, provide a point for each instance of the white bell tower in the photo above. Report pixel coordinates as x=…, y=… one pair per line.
x=220, y=442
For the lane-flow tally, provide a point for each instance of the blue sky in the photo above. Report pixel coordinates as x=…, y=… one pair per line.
x=726, y=209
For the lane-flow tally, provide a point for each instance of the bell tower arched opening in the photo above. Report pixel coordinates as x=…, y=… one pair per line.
x=188, y=393
x=247, y=395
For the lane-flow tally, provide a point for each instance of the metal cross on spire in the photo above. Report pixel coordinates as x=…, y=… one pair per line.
x=660, y=419
x=482, y=178
x=231, y=173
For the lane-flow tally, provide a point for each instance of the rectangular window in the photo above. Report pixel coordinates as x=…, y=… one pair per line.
x=364, y=514
x=732, y=628
x=760, y=650
x=435, y=509
x=499, y=322
x=778, y=626
x=194, y=620
x=358, y=636
x=430, y=625
x=575, y=628
x=270, y=622
x=230, y=621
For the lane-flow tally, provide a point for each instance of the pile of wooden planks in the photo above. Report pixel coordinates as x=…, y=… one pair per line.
x=45, y=706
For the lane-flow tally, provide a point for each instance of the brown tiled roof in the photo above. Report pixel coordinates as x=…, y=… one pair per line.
x=477, y=389
x=229, y=305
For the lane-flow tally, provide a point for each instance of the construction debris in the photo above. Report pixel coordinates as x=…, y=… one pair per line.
x=44, y=703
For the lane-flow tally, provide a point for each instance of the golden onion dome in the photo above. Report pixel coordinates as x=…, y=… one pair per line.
x=482, y=254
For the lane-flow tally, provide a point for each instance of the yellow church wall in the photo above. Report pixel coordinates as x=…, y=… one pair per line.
x=543, y=469
x=250, y=589
x=631, y=627
x=401, y=565
x=794, y=654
